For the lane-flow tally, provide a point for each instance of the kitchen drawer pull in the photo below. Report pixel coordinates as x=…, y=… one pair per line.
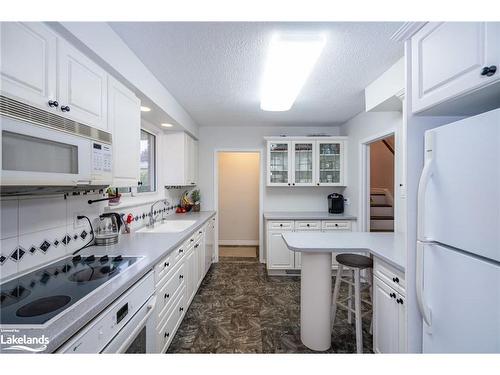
x=395, y=279
x=166, y=334
x=399, y=300
x=166, y=264
x=200, y=232
x=181, y=277
x=191, y=240
x=166, y=296
x=195, y=246
x=392, y=295
x=181, y=251
x=308, y=225
x=181, y=308
x=281, y=225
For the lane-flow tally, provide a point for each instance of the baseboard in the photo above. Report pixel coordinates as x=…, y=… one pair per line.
x=238, y=242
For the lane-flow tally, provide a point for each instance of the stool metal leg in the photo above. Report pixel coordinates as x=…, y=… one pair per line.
x=336, y=290
x=357, y=308
x=349, y=301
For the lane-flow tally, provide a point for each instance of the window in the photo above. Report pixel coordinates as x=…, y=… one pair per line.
x=147, y=163
x=147, y=167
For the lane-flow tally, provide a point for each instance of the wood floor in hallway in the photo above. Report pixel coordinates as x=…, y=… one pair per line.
x=240, y=309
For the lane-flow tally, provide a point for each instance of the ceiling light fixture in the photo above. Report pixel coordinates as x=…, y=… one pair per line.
x=290, y=60
x=166, y=125
x=145, y=109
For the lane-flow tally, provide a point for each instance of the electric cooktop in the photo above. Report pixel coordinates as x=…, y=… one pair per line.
x=37, y=297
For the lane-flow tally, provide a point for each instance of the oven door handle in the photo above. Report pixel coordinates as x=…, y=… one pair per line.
x=151, y=308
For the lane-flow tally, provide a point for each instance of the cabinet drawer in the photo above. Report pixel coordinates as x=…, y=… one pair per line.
x=167, y=331
x=389, y=275
x=336, y=225
x=168, y=291
x=308, y=225
x=278, y=225
x=168, y=263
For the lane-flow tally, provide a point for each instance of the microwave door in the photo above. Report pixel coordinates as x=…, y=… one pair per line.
x=38, y=156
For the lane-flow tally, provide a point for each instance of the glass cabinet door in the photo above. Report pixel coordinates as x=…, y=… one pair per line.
x=278, y=155
x=303, y=163
x=330, y=163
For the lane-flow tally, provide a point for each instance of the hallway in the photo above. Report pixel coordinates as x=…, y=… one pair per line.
x=239, y=309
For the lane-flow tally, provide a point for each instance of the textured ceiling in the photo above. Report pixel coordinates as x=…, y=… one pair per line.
x=214, y=70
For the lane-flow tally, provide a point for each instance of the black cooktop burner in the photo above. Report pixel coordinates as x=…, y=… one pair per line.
x=39, y=296
x=42, y=306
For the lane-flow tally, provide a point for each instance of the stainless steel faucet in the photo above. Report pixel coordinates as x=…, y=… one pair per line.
x=152, y=217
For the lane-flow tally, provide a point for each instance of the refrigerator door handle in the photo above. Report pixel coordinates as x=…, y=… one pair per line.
x=421, y=198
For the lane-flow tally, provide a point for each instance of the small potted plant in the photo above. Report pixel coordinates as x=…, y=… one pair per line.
x=114, y=196
x=195, y=196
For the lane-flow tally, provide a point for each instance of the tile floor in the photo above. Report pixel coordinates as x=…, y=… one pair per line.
x=239, y=309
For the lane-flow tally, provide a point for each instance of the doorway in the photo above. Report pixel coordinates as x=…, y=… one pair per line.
x=382, y=174
x=238, y=203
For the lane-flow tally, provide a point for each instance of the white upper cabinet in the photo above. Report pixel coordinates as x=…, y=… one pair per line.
x=82, y=86
x=306, y=162
x=278, y=161
x=303, y=163
x=450, y=59
x=180, y=160
x=124, y=119
x=330, y=162
x=28, y=62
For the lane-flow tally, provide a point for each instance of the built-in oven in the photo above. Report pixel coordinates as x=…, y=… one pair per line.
x=41, y=149
x=126, y=326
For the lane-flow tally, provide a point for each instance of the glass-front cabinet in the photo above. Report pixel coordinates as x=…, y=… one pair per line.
x=303, y=161
x=293, y=161
x=330, y=156
x=278, y=157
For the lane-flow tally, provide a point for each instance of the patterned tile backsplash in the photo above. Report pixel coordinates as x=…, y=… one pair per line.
x=39, y=230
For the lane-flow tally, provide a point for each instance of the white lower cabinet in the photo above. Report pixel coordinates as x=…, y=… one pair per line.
x=178, y=277
x=279, y=257
x=389, y=316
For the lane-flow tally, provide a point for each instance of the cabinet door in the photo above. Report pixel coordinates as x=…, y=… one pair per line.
x=402, y=324
x=29, y=65
x=125, y=122
x=303, y=162
x=385, y=318
x=278, y=163
x=278, y=254
x=330, y=163
x=192, y=278
x=193, y=161
x=82, y=86
x=448, y=58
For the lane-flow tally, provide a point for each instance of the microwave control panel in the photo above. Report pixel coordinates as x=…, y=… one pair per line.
x=102, y=161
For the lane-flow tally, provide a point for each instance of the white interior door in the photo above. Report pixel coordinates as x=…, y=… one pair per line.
x=463, y=295
x=463, y=204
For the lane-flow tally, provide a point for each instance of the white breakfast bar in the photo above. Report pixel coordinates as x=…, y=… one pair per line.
x=316, y=273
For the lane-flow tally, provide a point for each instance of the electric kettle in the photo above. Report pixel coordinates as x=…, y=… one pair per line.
x=107, y=229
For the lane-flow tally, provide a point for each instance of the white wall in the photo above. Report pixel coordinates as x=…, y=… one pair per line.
x=252, y=138
x=358, y=129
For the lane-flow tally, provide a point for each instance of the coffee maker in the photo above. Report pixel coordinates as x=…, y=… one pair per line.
x=335, y=203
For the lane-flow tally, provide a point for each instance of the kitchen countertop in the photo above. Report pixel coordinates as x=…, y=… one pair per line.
x=305, y=215
x=151, y=246
x=389, y=247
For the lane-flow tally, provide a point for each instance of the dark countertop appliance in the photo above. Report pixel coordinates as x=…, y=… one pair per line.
x=335, y=203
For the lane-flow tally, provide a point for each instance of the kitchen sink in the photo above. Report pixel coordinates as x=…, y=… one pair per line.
x=168, y=226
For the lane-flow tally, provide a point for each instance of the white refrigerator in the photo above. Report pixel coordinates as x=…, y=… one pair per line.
x=458, y=232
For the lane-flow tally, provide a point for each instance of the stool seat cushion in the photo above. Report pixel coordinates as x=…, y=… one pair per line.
x=354, y=260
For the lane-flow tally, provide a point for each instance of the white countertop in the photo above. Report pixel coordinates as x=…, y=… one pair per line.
x=305, y=215
x=389, y=247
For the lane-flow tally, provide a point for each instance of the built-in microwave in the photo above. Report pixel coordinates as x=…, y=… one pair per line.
x=52, y=152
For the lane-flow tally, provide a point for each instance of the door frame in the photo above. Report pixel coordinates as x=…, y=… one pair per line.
x=262, y=181
x=364, y=176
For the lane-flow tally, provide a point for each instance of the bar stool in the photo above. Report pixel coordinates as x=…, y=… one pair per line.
x=355, y=264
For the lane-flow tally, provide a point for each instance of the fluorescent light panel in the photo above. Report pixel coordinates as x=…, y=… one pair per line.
x=289, y=62
x=145, y=109
x=166, y=125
